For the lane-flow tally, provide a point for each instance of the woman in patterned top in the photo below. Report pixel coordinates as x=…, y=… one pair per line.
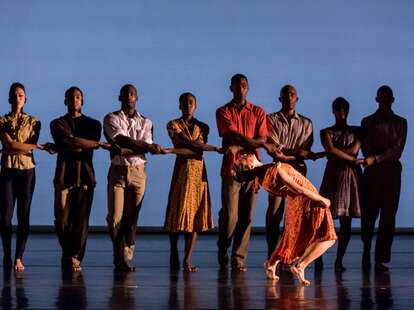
x=189, y=205
x=19, y=133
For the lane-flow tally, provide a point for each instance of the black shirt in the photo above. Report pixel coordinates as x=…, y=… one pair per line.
x=74, y=168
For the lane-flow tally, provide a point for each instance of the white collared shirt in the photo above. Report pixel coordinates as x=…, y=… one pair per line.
x=137, y=128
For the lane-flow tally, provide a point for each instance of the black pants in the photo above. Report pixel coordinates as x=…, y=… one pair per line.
x=15, y=185
x=72, y=210
x=381, y=194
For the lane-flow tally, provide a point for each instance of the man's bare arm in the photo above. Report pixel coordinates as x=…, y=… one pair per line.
x=138, y=146
x=246, y=142
x=196, y=146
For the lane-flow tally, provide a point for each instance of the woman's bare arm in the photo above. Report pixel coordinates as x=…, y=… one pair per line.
x=332, y=150
x=180, y=151
x=354, y=148
x=195, y=145
x=301, y=190
x=15, y=147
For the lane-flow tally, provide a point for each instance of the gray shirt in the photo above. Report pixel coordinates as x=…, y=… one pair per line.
x=292, y=133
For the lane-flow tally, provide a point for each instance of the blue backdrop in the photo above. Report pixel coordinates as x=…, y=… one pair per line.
x=325, y=48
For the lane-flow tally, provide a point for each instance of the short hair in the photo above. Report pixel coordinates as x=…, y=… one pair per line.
x=183, y=96
x=340, y=102
x=71, y=90
x=237, y=78
x=13, y=88
x=286, y=88
x=125, y=88
x=385, y=89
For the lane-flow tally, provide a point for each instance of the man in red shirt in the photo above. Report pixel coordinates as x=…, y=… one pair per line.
x=239, y=123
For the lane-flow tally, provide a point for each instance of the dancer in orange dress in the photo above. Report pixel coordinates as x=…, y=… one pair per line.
x=309, y=229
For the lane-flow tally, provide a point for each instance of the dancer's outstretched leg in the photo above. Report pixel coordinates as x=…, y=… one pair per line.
x=315, y=250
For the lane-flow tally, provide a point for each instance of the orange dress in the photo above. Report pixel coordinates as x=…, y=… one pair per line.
x=305, y=221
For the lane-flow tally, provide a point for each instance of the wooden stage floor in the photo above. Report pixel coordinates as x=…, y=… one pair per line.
x=153, y=286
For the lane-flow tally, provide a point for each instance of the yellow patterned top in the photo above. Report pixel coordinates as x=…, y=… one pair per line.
x=24, y=129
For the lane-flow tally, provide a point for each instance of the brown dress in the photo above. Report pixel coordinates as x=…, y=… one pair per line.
x=189, y=205
x=305, y=221
x=341, y=182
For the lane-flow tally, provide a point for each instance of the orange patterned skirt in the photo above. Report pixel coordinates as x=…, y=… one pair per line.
x=305, y=221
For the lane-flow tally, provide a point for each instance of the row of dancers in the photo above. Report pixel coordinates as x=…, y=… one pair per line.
x=245, y=128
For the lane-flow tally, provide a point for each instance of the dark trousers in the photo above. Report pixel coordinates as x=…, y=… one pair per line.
x=16, y=185
x=72, y=210
x=381, y=194
x=274, y=215
x=235, y=218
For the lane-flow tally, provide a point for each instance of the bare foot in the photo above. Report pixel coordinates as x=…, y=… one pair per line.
x=18, y=265
x=190, y=268
x=76, y=264
x=270, y=270
x=300, y=274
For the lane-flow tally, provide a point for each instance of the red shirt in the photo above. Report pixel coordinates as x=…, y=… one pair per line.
x=249, y=120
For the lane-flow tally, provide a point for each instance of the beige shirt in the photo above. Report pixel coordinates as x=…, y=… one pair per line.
x=292, y=133
x=137, y=128
x=26, y=129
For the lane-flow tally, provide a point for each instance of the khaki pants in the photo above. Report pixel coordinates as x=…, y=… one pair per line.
x=126, y=188
x=72, y=209
x=235, y=218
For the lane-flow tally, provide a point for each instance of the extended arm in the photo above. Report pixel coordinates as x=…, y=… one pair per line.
x=246, y=142
x=196, y=146
x=81, y=143
x=301, y=190
x=137, y=146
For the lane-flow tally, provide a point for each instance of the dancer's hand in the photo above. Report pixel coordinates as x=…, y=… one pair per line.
x=163, y=151
x=368, y=161
x=48, y=147
x=233, y=149
x=325, y=203
x=105, y=145
x=318, y=155
x=270, y=148
x=155, y=149
x=359, y=161
x=305, y=154
x=221, y=150
x=167, y=150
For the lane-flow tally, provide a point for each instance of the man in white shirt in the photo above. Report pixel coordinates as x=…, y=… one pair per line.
x=131, y=135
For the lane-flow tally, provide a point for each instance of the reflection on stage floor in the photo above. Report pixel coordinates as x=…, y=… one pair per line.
x=44, y=286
